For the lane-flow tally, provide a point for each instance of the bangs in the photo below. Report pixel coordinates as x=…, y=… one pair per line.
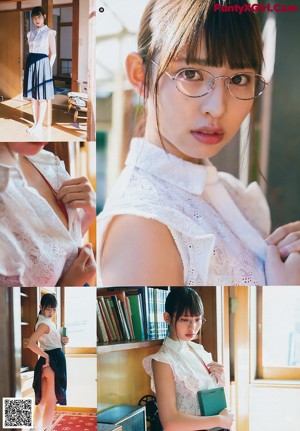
x=48, y=300
x=190, y=305
x=229, y=37
x=37, y=11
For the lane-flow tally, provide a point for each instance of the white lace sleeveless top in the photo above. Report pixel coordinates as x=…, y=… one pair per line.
x=190, y=375
x=217, y=224
x=52, y=340
x=35, y=247
x=38, y=40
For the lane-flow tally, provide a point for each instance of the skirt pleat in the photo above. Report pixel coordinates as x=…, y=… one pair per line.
x=38, y=81
x=58, y=365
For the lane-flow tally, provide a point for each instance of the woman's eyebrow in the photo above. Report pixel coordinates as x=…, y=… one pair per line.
x=198, y=61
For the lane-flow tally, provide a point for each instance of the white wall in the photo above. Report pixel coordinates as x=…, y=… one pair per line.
x=82, y=380
x=274, y=408
x=83, y=40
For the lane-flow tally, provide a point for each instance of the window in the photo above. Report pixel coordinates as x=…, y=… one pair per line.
x=278, y=330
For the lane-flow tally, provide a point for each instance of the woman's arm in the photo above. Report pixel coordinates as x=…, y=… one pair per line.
x=170, y=418
x=52, y=48
x=139, y=251
x=32, y=342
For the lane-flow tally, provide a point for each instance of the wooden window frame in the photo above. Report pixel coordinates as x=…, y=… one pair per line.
x=263, y=372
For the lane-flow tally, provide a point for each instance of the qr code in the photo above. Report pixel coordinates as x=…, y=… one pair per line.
x=17, y=412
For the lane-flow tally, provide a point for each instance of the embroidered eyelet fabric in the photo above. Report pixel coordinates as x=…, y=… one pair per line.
x=38, y=40
x=218, y=225
x=36, y=248
x=189, y=373
x=52, y=340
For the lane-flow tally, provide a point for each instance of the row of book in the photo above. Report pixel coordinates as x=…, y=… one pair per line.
x=131, y=314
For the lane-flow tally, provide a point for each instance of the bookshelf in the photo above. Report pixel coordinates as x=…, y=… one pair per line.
x=121, y=376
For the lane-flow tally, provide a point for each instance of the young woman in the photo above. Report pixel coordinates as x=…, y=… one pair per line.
x=181, y=368
x=44, y=215
x=172, y=218
x=50, y=373
x=38, y=82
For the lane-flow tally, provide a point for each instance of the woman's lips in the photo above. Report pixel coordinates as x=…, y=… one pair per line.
x=208, y=135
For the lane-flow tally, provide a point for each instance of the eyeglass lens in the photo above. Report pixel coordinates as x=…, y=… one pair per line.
x=197, y=83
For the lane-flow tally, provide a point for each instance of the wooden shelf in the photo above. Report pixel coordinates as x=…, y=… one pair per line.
x=129, y=345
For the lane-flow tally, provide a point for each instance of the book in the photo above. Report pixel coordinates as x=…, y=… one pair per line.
x=212, y=402
x=137, y=317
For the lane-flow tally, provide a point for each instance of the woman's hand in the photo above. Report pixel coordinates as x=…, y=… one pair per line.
x=47, y=361
x=286, y=238
x=64, y=340
x=81, y=270
x=279, y=272
x=226, y=419
x=78, y=193
x=217, y=370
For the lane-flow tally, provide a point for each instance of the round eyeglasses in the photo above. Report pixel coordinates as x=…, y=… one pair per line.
x=194, y=83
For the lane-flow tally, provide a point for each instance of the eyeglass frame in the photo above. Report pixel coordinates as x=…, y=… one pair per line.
x=202, y=319
x=228, y=78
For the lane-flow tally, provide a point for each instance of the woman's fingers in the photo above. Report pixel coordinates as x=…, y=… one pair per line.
x=283, y=231
x=78, y=193
x=282, y=273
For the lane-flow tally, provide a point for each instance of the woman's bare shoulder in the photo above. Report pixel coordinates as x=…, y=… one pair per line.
x=140, y=251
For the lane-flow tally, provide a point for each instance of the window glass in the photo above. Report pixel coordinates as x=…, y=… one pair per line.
x=281, y=326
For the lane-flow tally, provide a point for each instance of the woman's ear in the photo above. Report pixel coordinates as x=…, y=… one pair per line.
x=136, y=72
x=167, y=318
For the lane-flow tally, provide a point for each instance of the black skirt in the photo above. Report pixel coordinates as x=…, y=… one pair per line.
x=38, y=81
x=57, y=362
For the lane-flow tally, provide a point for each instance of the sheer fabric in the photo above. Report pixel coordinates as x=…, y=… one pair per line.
x=52, y=340
x=218, y=225
x=38, y=40
x=190, y=375
x=36, y=248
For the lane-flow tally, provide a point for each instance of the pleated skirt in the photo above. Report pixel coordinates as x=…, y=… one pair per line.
x=58, y=365
x=38, y=81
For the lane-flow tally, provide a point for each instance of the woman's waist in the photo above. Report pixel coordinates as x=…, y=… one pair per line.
x=37, y=56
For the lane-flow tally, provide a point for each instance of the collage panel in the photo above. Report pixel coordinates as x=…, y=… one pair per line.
x=197, y=186
x=240, y=357
x=46, y=374
x=47, y=59
x=47, y=231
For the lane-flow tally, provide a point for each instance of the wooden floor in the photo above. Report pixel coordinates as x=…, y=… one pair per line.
x=16, y=117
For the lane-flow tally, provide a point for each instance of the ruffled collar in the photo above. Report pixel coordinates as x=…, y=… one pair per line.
x=180, y=345
x=176, y=171
x=40, y=30
x=45, y=319
x=11, y=172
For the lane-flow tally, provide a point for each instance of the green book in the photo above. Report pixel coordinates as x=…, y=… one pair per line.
x=137, y=317
x=212, y=402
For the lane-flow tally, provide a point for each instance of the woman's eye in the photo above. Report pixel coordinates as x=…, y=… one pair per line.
x=190, y=75
x=240, y=79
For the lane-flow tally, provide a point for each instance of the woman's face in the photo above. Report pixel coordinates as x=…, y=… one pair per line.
x=48, y=311
x=186, y=328
x=195, y=128
x=26, y=148
x=39, y=20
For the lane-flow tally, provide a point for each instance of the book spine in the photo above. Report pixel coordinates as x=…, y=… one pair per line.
x=101, y=331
